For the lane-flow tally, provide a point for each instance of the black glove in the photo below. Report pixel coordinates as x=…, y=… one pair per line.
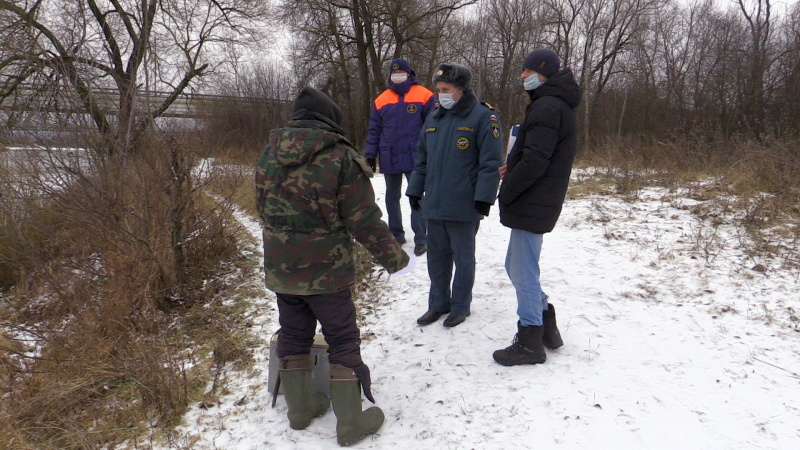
x=362, y=372
x=414, y=201
x=372, y=164
x=482, y=207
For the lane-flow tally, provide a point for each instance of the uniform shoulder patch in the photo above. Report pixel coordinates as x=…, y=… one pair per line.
x=487, y=105
x=496, y=131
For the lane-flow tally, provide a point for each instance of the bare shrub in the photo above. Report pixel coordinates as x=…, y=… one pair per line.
x=235, y=182
x=109, y=260
x=256, y=101
x=771, y=167
x=755, y=183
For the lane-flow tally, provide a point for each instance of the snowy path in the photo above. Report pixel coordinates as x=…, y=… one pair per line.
x=670, y=341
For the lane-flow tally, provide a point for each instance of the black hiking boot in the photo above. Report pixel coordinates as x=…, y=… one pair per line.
x=526, y=348
x=552, y=337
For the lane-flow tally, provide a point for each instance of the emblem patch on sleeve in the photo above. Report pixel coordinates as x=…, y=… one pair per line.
x=496, y=131
x=493, y=118
x=462, y=143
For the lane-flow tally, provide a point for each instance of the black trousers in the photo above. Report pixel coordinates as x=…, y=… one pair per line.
x=298, y=316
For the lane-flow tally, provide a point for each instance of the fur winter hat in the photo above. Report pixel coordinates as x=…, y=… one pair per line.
x=453, y=73
x=542, y=61
x=313, y=104
x=401, y=64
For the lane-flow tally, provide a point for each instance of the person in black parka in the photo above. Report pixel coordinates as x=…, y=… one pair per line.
x=535, y=180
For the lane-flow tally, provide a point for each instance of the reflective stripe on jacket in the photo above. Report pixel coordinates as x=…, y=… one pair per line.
x=394, y=125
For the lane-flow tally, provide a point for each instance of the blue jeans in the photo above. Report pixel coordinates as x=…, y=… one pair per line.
x=394, y=184
x=522, y=266
x=451, y=242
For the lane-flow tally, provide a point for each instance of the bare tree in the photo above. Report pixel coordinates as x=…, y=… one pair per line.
x=563, y=18
x=516, y=28
x=115, y=55
x=759, y=25
x=787, y=97
x=608, y=27
x=357, y=37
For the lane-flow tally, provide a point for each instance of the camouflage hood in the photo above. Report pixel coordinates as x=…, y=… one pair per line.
x=301, y=140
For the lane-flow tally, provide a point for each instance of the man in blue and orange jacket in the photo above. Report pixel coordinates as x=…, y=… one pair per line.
x=394, y=127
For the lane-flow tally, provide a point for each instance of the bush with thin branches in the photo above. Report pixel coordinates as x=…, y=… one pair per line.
x=110, y=262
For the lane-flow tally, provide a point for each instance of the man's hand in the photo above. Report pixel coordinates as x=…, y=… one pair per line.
x=413, y=200
x=502, y=171
x=482, y=207
x=372, y=164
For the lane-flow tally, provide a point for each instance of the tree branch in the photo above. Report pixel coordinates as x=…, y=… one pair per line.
x=187, y=78
x=108, y=34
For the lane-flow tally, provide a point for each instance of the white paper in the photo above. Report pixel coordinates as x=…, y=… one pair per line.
x=512, y=138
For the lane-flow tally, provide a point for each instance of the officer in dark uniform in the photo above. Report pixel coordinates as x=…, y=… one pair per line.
x=456, y=172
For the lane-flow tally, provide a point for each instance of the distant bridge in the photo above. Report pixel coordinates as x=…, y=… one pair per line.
x=28, y=98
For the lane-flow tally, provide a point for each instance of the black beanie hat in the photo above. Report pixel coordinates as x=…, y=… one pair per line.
x=542, y=61
x=313, y=104
x=453, y=73
x=401, y=64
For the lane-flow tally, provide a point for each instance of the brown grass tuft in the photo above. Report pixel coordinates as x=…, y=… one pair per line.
x=759, y=180
x=108, y=264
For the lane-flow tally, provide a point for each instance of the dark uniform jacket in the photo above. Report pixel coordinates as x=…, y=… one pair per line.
x=540, y=163
x=458, y=155
x=313, y=194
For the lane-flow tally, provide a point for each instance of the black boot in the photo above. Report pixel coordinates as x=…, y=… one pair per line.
x=526, y=348
x=551, y=338
x=430, y=316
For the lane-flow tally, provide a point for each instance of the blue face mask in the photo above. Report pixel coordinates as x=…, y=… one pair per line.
x=532, y=82
x=446, y=101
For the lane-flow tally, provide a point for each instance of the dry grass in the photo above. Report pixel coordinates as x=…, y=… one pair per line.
x=235, y=181
x=756, y=183
x=369, y=283
x=117, y=269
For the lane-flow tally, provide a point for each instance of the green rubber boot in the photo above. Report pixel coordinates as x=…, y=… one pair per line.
x=352, y=424
x=295, y=373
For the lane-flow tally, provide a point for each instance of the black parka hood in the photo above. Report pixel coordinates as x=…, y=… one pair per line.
x=561, y=85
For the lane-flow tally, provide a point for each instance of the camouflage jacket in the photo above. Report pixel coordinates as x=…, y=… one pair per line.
x=313, y=194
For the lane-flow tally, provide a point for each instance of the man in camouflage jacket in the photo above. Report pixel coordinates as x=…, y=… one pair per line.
x=314, y=196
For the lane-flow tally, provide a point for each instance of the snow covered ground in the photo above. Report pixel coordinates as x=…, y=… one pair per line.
x=672, y=340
